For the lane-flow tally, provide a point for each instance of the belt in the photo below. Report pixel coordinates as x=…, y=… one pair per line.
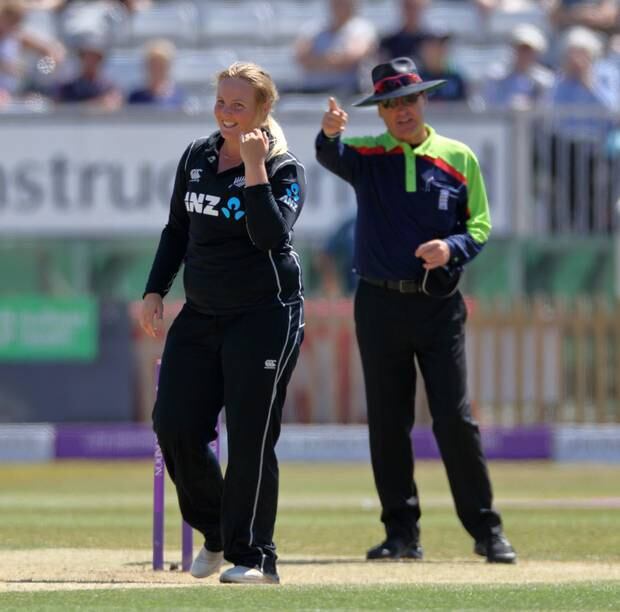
x=402, y=286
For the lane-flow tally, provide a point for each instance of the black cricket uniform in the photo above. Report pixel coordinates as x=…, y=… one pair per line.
x=234, y=344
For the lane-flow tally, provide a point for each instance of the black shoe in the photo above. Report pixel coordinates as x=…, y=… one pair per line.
x=497, y=549
x=395, y=549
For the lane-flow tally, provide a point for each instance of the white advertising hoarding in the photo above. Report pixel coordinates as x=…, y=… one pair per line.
x=113, y=176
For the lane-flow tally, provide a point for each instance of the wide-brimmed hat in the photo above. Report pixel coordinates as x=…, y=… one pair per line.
x=396, y=78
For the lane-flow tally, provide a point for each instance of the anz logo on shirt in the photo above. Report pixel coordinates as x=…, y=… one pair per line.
x=205, y=204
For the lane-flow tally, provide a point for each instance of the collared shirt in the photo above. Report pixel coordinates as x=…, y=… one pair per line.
x=236, y=241
x=516, y=87
x=570, y=93
x=407, y=196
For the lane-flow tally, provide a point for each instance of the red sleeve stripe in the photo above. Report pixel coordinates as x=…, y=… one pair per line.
x=446, y=167
x=377, y=150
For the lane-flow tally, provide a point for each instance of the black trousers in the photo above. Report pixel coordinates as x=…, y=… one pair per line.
x=393, y=329
x=243, y=362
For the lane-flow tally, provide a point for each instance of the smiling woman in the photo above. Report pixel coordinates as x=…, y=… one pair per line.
x=235, y=343
x=244, y=101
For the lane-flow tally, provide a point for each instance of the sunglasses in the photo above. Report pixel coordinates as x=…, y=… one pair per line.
x=396, y=82
x=409, y=100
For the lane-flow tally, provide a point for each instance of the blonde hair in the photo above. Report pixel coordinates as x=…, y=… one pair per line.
x=160, y=48
x=266, y=93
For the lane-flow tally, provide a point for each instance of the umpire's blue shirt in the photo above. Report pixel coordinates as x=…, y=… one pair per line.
x=407, y=196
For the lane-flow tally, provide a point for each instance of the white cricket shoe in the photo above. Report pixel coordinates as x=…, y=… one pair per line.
x=239, y=574
x=206, y=563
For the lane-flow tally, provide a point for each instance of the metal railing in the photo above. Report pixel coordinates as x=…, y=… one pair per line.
x=575, y=171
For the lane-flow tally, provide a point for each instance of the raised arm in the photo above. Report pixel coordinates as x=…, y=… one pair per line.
x=274, y=202
x=331, y=152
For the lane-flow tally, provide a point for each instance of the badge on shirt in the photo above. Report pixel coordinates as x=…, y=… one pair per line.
x=238, y=182
x=291, y=199
x=444, y=194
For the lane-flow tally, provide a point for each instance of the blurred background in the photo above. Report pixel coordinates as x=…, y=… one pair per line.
x=99, y=98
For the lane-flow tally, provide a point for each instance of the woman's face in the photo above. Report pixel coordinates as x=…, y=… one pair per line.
x=236, y=110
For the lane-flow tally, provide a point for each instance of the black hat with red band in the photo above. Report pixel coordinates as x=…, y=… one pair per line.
x=396, y=78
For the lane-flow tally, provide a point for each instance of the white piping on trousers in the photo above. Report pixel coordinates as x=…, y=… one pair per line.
x=299, y=326
x=298, y=264
x=262, y=450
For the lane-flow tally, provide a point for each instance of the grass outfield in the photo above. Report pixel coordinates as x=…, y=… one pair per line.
x=79, y=534
x=590, y=596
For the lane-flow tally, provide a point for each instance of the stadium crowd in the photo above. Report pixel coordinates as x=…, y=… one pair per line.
x=558, y=55
x=559, y=52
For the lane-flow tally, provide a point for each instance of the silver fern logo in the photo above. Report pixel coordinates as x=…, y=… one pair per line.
x=238, y=182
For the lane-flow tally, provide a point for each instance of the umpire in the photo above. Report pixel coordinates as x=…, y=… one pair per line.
x=422, y=215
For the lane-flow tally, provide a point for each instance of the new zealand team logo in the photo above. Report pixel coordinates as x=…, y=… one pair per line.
x=205, y=204
x=238, y=182
x=232, y=210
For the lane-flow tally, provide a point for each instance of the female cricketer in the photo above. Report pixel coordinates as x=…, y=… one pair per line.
x=236, y=197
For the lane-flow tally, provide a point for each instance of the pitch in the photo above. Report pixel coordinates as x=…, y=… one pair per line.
x=78, y=534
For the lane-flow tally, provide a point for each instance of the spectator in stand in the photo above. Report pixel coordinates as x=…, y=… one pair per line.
x=434, y=54
x=109, y=18
x=608, y=69
x=579, y=151
x=13, y=40
x=90, y=85
x=406, y=41
x=331, y=57
x=599, y=15
x=160, y=89
x=579, y=85
x=526, y=81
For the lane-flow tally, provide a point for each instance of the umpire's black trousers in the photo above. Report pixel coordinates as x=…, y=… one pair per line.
x=243, y=362
x=393, y=328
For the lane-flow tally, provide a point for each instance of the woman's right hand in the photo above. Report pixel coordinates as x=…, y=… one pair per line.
x=334, y=120
x=152, y=315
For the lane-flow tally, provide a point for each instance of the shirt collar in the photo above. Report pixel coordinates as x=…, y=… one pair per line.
x=389, y=142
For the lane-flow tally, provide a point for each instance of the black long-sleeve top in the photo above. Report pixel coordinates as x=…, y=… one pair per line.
x=236, y=241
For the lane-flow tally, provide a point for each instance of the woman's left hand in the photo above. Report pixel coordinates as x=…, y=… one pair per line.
x=254, y=147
